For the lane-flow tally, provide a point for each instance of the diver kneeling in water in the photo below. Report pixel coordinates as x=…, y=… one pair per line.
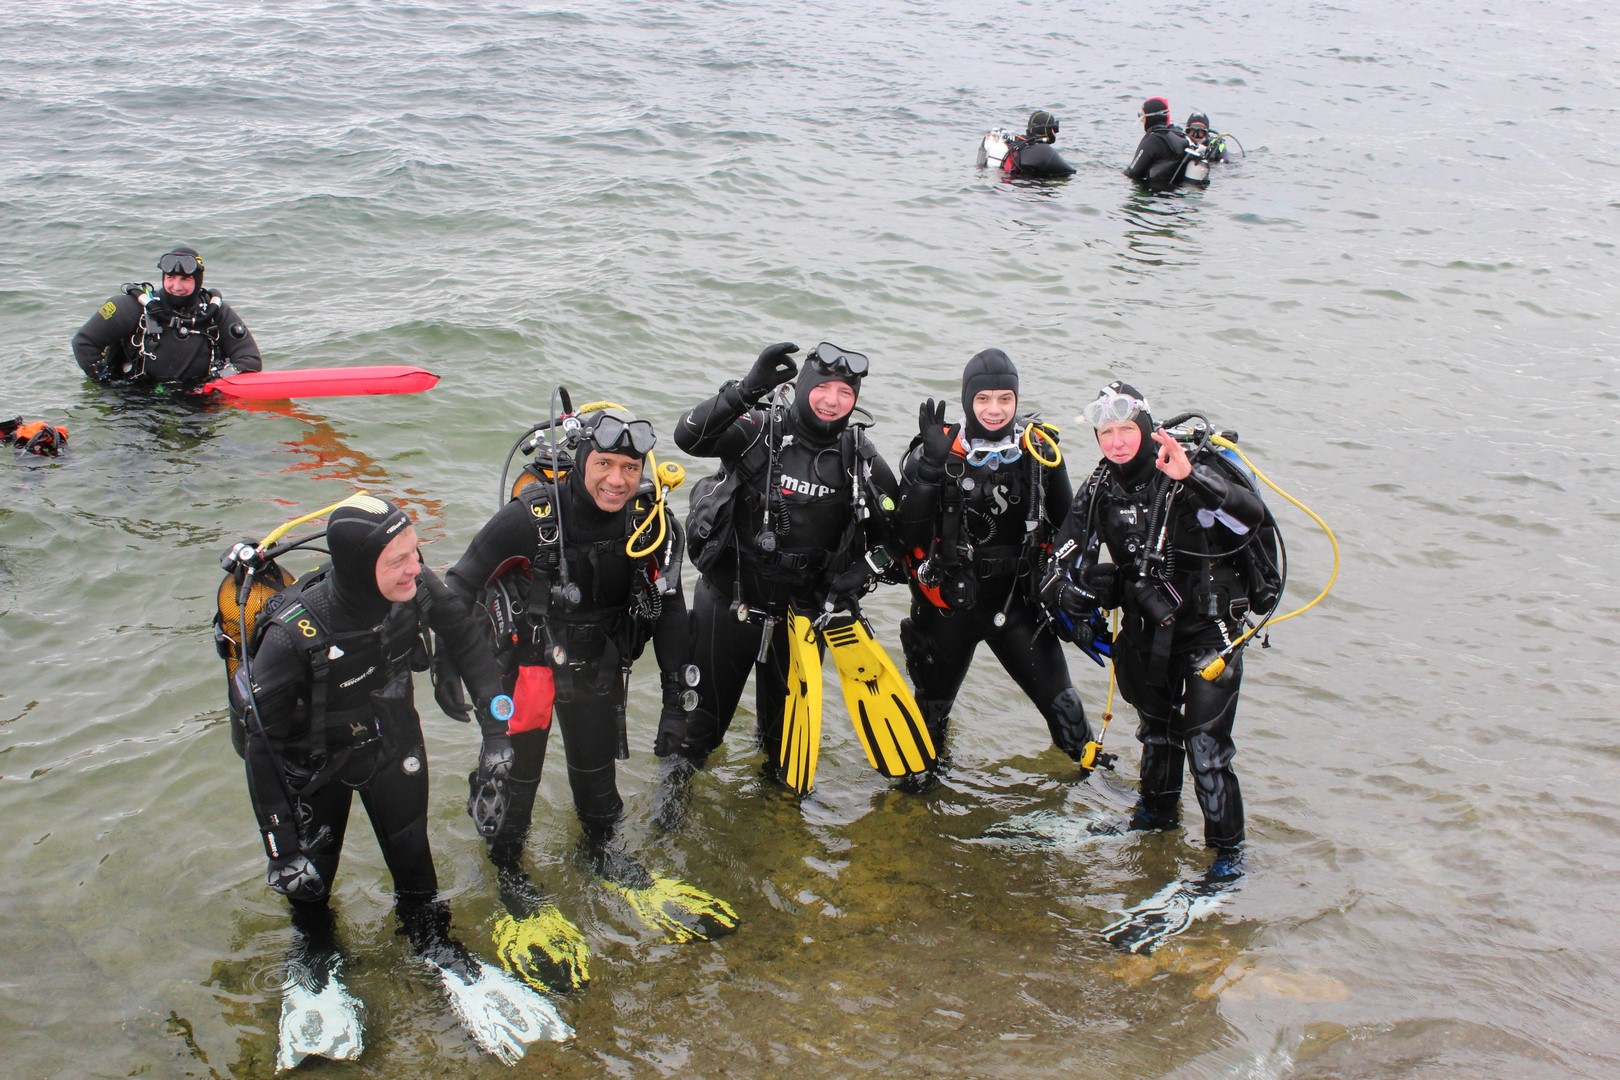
x=178, y=335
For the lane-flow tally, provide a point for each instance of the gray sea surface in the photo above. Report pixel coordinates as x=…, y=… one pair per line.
x=1402, y=296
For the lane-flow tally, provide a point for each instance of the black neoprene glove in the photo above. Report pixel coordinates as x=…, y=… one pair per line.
x=1059, y=594
x=1103, y=582
x=488, y=794
x=672, y=718
x=846, y=589
x=774, y=367
x=447, y=689
x=938, y=438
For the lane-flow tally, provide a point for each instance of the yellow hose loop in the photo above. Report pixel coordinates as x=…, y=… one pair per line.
x=1030, y=431
x=660, y=514
x=286, y=527
x=1227, y=444
x=667, y=476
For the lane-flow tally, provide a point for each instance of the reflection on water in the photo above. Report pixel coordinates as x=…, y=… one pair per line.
x=1159, y=228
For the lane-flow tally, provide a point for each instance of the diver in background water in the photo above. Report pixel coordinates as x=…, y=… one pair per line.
x=980, y=502
x=1161, y=155
x=1212, y=144
x=180, y=334
x=1033, y=154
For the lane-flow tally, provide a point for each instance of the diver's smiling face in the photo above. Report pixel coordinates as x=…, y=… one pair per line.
x=994, y=408
x=399, y=566
x=832, y=401
x=179, y=285
x=611, y=479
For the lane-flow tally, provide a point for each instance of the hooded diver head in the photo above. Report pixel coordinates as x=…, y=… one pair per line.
x=357, y=534
x=822, y=415
x=177, y=264
x=1118, y=407
x=612, y=455
x=990, y=369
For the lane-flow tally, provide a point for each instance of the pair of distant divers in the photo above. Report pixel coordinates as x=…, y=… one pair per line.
x=1166, y=156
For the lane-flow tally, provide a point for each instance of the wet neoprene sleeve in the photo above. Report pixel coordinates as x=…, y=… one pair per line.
x=919, y=505
x=108, y=327
x=721, y=427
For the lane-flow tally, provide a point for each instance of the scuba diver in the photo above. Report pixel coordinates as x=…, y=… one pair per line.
x=321, y=702
x=1031, y=154
x=980, y=502
x=1161, y=157
x=1212, y=144
x=793, y=528
x=578, y=570
x=180, y=334
x=1192, y=540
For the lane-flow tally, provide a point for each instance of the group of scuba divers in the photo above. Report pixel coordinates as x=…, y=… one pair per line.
x=539, y=621
x=1166, y=157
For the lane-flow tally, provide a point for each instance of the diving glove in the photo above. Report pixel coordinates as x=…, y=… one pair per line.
x=679, y=700
x=681, y=911
x=774, y=367
x=488, y=794
x=845, y=590
x=938, y=439
x=447, y=691
x=295, y=878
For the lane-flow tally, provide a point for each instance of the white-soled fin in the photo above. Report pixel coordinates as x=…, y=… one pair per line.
x=1163, y=915
x=324, y=1023
x=502, y=1015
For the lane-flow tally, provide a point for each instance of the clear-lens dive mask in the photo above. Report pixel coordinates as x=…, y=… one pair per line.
x=835, y=361
x=634, y=438
x=177, y=263
x=1112, y=407
x=1002, y=453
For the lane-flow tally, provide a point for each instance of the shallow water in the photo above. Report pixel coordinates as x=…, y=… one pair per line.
x=1401, y=297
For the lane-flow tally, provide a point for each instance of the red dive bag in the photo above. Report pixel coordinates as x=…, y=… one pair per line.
x=532, y=699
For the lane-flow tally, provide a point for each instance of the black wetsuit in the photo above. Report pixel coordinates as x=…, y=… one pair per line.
x=371, y=738
x=622, y=602
x=1184, y=717
x=967, y=535
x=1036, y=158
x=1160, y=157
x=180, y=342
x=819, y=543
